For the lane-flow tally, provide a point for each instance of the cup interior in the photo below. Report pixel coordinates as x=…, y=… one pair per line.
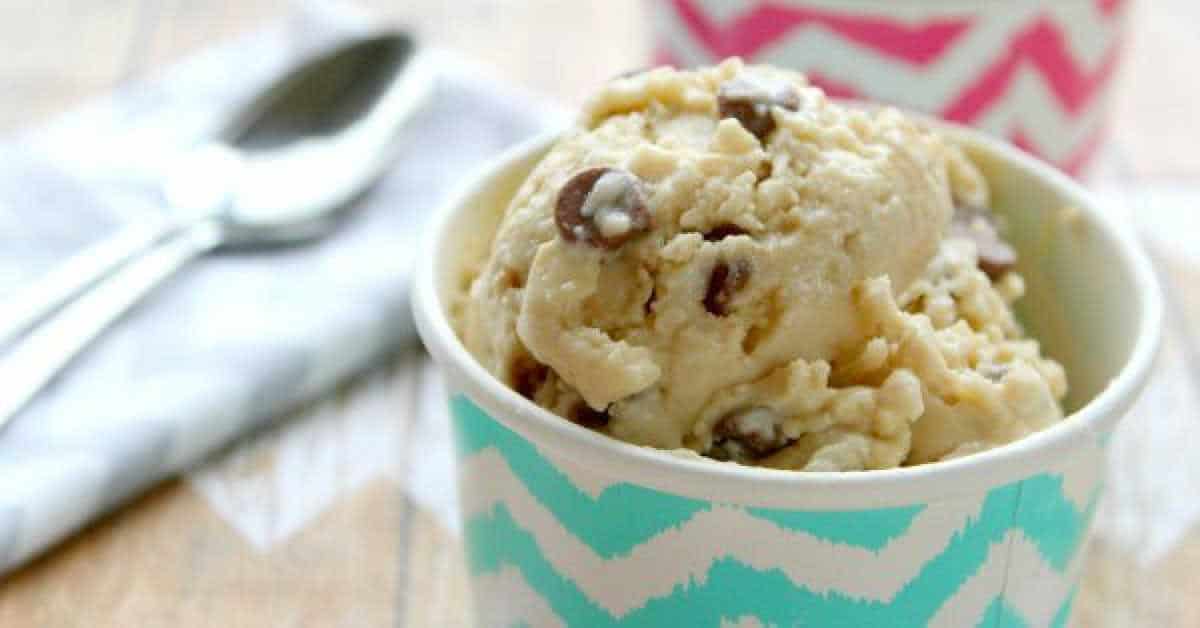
x=1084, y=303
x=1091, y=301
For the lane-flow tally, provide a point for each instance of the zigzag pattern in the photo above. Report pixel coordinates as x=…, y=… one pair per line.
x=1001, y=614
x=1042, y=46
x=1030, y=115
x=1074, y=162
x=946, y=65
x=1026, y=589
x=731, y=588
x=973, y=597
x=872, y=529
x=672, y=556
x=767, y=22
x=587, y=518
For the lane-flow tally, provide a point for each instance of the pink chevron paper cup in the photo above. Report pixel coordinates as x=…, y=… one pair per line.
x=565, y=526
x=1036, y=73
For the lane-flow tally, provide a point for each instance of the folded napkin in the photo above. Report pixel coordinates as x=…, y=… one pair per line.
x=235, y=338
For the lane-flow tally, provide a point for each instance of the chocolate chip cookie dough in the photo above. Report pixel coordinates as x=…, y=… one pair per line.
x=726, y=261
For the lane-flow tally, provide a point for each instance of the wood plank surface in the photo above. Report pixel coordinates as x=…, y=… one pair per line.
x=223, y=547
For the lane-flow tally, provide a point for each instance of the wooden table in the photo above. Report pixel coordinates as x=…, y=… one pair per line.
x=223, y=547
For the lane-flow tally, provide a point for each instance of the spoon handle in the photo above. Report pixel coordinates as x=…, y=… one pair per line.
x=20, y=311
x=41, y=354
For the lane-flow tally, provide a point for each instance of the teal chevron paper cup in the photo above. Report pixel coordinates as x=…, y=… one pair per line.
x=564, y=526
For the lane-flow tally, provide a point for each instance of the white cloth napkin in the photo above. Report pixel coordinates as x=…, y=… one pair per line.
x=235, y=338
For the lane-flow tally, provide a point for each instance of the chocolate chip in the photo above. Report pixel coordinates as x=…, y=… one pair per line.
x=996, y=257
x=603, y=207
x=751, y=432
x=648, y=306
x=528, y=375
x=511, y=279
x=725, y=281
x=722, y=231
x=589, y=417
x=750, y=102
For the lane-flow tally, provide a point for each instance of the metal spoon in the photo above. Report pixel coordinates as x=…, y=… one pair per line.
x=283, y=171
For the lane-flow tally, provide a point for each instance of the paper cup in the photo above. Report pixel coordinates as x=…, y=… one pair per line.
x=1037, y=73
x=567, y=526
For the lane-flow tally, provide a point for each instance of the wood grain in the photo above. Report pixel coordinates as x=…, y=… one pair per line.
x=171, y=561
x=373, y=558
x=438, y=595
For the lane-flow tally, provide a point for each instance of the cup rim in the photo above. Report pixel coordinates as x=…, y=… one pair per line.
x=697, y=477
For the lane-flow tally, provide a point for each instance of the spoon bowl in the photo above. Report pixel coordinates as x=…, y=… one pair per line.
x=283, y=170
x=321, y=98
x=292, y=160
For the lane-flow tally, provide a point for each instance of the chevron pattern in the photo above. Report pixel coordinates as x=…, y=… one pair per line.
x=545, y=549
x=966, y=60
x=753, y=30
